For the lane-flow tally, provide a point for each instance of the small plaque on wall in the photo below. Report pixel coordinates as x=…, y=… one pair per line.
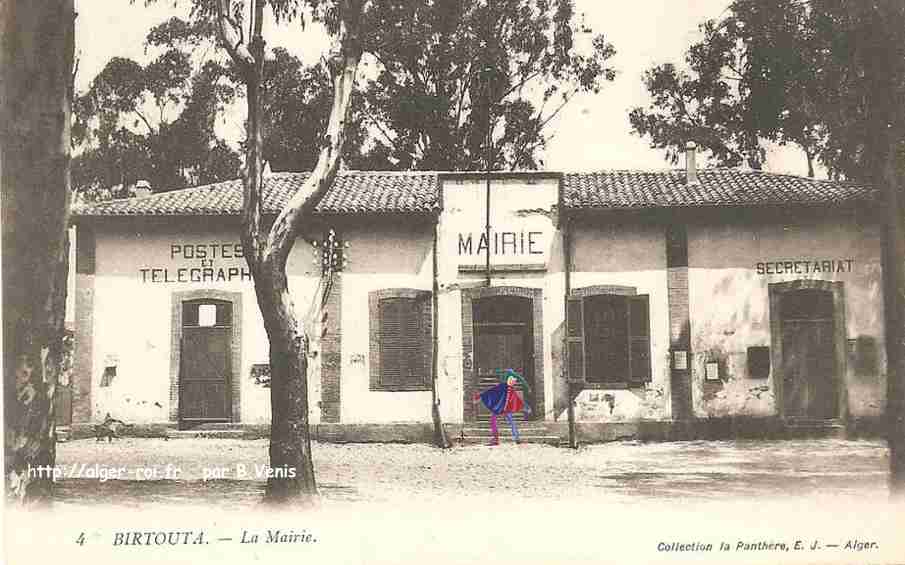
x=680, y=360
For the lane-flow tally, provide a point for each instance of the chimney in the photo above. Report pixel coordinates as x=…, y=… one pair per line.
x=142, y=189
x=691, y=167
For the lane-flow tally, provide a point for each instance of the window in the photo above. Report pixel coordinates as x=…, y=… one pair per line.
x=401, y=340
x=609, y=339
x=206, y=313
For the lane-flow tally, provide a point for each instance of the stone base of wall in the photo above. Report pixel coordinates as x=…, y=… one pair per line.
x=86, y=430
x=717, y=429
x=587, y=432
x=374, y=433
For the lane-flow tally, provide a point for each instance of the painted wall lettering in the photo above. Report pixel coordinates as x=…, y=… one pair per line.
x=804, y=266
x=206, y=251
x=502, y=243
x=206, y=255
x=194, y=274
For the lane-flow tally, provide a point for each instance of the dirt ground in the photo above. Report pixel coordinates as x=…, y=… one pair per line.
x=623, y=471
x=752, y=502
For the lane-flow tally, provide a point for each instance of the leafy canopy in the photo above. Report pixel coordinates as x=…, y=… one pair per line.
x=787, y=71
x=447, y=68
x=155, y=121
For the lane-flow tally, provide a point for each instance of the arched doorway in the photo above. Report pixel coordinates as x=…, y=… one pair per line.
x=502, y=328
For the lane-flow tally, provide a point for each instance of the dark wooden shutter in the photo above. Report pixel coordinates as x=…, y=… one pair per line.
x=404, y=341
x=575, y=339
x=639, y=339
x=426, y=338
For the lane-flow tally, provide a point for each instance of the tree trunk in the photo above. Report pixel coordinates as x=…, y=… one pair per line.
x=810, y=158
x=292, y=478
x=37, y=53
x=290, y=442
x=894, y=306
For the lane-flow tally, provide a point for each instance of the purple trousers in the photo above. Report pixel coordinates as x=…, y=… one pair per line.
x=496, y=432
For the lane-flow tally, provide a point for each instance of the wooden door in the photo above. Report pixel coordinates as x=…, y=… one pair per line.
x=501, y=346
x=809, y=360
x=206, y=366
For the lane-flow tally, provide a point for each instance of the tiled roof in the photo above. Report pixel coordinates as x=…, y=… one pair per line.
x=716, y=187
x=357, y=192
x=354, y=192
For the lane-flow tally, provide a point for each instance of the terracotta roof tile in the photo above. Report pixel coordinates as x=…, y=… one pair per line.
x=359, y=192
x=716, y=187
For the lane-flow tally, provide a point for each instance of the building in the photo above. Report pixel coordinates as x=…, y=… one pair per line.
x=690, y=303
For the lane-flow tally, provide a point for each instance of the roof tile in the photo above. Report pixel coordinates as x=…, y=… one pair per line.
x=415, y=192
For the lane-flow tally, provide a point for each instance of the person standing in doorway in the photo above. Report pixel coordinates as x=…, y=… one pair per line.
x=505, y=399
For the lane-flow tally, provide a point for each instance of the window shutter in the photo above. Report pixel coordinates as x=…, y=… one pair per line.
x=402, y=343
x=575, y=338
x=427, y=338
x=639, y=339
x=392, y=342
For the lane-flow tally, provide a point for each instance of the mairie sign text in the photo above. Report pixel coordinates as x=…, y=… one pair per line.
x=502, y=243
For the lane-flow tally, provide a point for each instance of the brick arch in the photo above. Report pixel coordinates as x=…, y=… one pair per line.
x=469, y=295
x=234, y=298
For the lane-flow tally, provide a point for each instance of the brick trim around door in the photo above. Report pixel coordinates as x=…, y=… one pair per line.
x=234, y=298
x=469, y=295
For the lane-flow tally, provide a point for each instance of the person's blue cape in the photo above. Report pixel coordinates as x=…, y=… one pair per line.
x=495, y=398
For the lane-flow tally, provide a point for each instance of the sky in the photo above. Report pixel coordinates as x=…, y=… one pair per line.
x=591, y=133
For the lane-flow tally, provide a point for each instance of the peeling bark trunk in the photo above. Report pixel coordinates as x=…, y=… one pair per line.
x=37, y=55
x=894, y=306
x=290, y=443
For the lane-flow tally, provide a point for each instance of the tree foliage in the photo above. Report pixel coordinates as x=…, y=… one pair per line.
x=743, y=86
x=442, y=65
x=155, y=121
x=296, y=105
x=787, y=71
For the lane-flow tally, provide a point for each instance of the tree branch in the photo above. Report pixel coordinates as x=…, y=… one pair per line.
x=145, y=120
x=232, y=36
x=343, y=66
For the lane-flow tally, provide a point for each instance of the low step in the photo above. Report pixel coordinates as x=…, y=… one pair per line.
x=507, y=439
x=217, y=434
x=485, y=432
x=814, y=424
x=215, y=426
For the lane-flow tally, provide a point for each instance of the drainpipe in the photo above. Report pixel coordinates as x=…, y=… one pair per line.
x=567, y=271
x=440, y=438
x=487, y=224
x=488, y=142
x=488, y=166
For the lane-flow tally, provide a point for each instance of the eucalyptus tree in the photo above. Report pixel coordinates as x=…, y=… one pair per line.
x=156, y=121
x=267, y=248
x=445, y=69
x=36, y=57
